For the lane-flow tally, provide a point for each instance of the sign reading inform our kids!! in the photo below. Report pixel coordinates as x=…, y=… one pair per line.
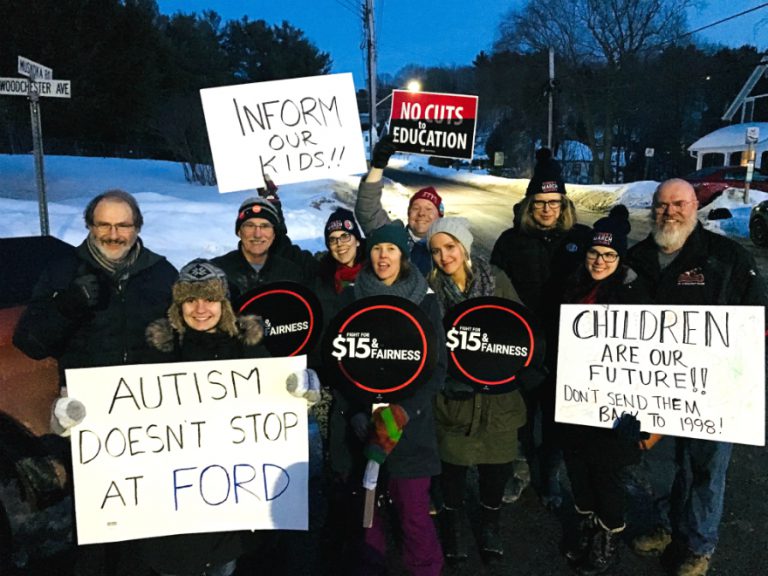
x=693, y=371
x=434, y=124
x=191, y=447
x=291, y=130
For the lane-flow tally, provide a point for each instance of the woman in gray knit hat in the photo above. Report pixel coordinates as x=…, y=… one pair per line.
x=200, y=325
x=473, y=429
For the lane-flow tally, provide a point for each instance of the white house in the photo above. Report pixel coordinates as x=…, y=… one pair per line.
x=726, y=146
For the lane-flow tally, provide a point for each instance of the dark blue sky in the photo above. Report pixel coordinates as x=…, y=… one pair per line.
x=435, y=32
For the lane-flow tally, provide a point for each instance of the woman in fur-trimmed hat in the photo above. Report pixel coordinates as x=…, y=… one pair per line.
x=200, y=325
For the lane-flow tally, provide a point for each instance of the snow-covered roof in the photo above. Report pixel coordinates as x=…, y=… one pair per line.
x=729, y=138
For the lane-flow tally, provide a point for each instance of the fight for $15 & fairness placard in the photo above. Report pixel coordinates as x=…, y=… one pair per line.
x=188, y=447
x=693, y=371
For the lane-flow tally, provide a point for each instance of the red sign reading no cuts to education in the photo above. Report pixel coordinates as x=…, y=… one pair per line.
x=434, y=124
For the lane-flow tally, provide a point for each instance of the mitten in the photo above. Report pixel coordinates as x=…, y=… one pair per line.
x=304, y=384
x=80, y=296
x=66, y=413
x=383, y=151
x=387, y=428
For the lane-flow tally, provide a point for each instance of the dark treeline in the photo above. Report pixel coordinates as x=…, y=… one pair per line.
x=136, y=76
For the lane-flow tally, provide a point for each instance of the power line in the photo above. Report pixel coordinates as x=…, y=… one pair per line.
x=350, y=7
x=753, y=9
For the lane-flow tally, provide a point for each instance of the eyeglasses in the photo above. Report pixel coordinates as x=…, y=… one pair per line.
x=252, y=227
x=551, y=204
x=121, y=227
x=662, y=207
x=608, y=257
x=343, y=238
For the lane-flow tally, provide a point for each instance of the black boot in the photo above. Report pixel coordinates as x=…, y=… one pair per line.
x=452, y=524
x=603, y=552
x=490, y=533
x=577, y=550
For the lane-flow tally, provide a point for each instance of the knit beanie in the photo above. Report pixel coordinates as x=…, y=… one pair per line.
x=547, y=175
x=258, y=208
x=202, y=279
x=428, y=193
x=394, y=233
x=342, y=219
x=456, y=227
x=612, y=230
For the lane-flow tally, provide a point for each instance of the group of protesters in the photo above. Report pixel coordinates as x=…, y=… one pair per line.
x=114, y=301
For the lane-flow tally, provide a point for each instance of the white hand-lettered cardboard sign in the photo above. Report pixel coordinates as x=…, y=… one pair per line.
x=188, y=447
x=289, y=130
x=693, y=371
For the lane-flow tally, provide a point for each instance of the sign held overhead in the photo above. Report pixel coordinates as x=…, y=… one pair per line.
x=291, y=130
x=434, y=124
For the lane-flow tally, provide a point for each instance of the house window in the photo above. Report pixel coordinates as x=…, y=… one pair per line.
x=713, y=159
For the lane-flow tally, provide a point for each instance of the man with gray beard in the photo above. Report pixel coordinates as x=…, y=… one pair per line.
x=683, y=263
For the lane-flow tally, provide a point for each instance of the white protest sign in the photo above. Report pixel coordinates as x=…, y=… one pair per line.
x=693, y=371
x=291, y=130
x=188, y=447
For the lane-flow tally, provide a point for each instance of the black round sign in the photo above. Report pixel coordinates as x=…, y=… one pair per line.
x=382, y=348
x=489, y=340
x=291, y=313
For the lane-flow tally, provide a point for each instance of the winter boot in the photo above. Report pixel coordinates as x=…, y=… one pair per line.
x=603, y=551
x=452, y=524
x=490, y=533
x=577, y=550
x=653, y=544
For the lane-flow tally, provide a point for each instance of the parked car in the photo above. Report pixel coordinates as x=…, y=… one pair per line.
x=36, y=523
x=758, y=224
x=710, y=182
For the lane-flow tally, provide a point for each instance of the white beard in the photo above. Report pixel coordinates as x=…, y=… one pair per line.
x=672, y=238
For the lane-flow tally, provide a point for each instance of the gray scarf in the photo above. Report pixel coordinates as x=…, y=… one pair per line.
x=114, y=268
x=412, y=288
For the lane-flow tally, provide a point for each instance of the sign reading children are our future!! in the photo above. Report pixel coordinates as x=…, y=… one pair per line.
x=290, y=130
x=692, y=371
x=188, y=447
x=434, y=124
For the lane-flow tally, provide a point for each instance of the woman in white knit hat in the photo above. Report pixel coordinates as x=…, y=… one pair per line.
x=473, y=429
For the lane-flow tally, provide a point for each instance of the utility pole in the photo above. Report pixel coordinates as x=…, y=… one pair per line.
x=370, y=29
x=551, y=90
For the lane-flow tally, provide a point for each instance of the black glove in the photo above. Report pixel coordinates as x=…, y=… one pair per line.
x=530, y=377
x=382, y=151
x=457, y=390
x=80, y=296
x=628, y=436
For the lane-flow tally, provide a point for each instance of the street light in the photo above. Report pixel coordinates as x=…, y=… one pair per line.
x=412, y=86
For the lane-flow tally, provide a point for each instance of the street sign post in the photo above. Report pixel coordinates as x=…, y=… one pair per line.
x=39, y=82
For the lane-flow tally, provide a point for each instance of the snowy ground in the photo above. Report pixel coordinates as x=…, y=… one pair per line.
x=184, y=221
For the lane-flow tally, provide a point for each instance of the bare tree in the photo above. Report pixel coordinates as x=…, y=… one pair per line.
x=598, y=43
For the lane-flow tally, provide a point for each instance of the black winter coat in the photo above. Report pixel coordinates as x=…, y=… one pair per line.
x=110, y=335
x=710, y=269
x=242, y=277
x=416, y=454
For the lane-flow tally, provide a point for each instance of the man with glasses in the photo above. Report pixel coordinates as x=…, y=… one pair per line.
x=542, y=249
x=261, y=256
x=92, y=307
x=683, y=263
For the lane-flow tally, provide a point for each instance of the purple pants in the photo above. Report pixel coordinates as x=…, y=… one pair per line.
x=422, y=555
